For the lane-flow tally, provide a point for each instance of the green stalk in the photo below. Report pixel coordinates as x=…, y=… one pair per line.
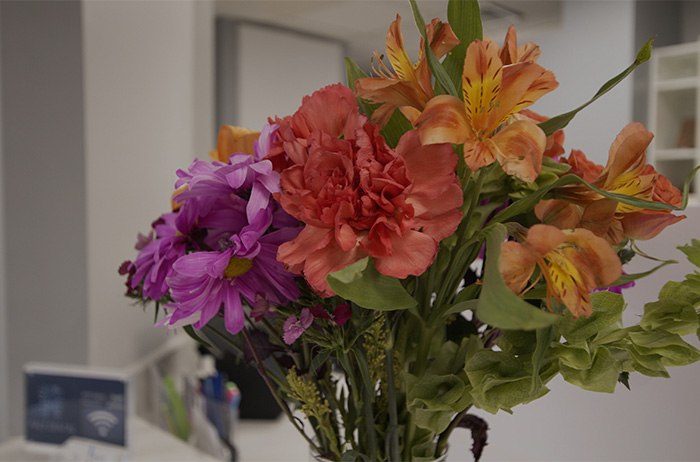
x=367, y=402
x=283, y=405
x=419, y=368
x=353, y=397
x=393, y=435
x=449, y=284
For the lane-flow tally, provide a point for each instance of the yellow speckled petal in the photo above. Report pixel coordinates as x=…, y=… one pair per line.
x=481, y=84
x=397, y=53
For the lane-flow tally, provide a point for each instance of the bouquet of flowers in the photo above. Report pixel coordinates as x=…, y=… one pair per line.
x=417, y=244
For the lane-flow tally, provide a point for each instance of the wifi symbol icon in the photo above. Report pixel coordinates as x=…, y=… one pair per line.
x=103, y=421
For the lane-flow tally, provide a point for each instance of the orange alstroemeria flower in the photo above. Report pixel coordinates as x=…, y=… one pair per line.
x=492, y=92
x=625, y=173
x=233, y=139
x=555, y=142
x=573, y=263
x=511, y=53
x=409, y=86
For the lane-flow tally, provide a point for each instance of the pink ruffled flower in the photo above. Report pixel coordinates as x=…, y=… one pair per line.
x=293, y=327
x=357, y=196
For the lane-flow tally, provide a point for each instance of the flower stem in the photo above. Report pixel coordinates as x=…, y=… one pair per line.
x=280, y=402
x=368, y=401
x=394, y=454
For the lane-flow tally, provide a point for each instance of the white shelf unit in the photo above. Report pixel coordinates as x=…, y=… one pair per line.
x=674, y=111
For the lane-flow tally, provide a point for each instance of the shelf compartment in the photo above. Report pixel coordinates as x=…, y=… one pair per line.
x=676, y=119
x=675, y=154
x=678, y=62
x=685, y=83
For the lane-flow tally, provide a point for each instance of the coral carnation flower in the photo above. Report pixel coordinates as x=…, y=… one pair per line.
x=358, y=197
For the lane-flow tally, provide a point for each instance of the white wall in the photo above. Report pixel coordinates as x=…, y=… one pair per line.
x=593, y=42
x=148, y=112
x=43, y=189
x=4, y=384
x=691, y=20
x=274, y=69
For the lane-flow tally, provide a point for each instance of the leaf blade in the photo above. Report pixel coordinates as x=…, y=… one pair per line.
x=498, y=306
x=562, y=120
x=362, y=284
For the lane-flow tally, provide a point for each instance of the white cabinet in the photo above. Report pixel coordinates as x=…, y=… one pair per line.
x=674, y=109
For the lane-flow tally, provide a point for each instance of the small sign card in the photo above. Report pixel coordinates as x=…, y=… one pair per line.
x=64, y=402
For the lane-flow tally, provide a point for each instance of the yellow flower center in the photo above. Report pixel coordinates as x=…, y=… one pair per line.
x=237, y=267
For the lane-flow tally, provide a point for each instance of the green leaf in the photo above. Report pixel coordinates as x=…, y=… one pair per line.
x=674, y=311
x=607, y=311
x=433, y=399
x=544, y=337
x=562, y=120
x=498, y=305
x=673, y=350
x=189, y=330
x=675, y=316
x=518, y=342
x=692, y=251
x=601, y=376
x=354, y=72
x=462, y=306
x=500, y=381
x=627, y=278
x=438, y=71
x=574, y=356
x=363, y=285
x=465, y=19
x=686, y=187
x=647, y=364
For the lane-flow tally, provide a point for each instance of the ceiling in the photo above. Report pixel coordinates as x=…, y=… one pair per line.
x=362, y=24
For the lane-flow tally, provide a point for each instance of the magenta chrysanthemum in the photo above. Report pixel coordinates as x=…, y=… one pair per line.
x=156, y=257
x=207, y=282
x=244, y=227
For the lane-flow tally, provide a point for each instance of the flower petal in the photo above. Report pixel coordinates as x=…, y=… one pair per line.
x=234, y=139
x=428, y=166
x=516, y=265
x=234, y=318
x=627, y=154
x=647, y=224
x=481, y=84
x=444, y=121
x=519, y=148
x=562, y=214
x=310, y=239
x=321, y=263
x=411, y=254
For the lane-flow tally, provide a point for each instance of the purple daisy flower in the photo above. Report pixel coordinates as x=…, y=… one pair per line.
x=211, y=182
x=156, y=257
x=207, y=282
x=244, y=229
